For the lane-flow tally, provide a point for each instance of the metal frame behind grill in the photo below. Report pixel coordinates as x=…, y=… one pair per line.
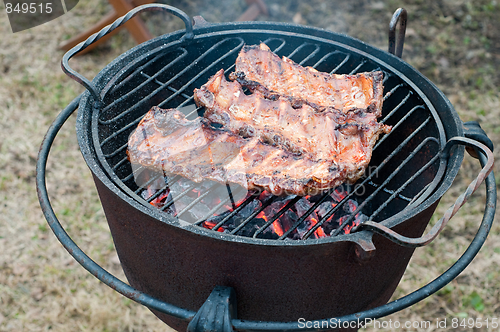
x=153, y=254
x=166, y=77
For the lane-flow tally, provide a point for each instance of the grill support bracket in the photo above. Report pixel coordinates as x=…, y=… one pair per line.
x=187, y=315
x=216, y=313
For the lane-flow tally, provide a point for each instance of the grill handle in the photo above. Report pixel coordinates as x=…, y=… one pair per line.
x=438, y=227
x=237, y=324
x=71, y=246
x=400, y=16
x=106, y=30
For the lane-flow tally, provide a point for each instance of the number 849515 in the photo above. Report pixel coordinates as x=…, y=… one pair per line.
x=32, y=8
x=475, y=323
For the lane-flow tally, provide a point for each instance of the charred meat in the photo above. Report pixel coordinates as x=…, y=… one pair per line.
x=299, y=132
x=346, y=139
x=259, y=69
x=167, y=141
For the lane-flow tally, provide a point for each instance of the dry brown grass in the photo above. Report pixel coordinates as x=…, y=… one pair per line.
x=43, y=288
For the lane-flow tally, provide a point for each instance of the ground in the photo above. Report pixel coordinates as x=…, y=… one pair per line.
x=455, y=43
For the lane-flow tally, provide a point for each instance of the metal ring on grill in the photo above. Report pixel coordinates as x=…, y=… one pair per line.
x=238, y=324
x=116, y=24
x=179, y=262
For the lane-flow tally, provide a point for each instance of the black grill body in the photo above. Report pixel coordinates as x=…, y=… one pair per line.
x=180, y=263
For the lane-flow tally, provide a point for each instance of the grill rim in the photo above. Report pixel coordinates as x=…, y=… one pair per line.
x=398, y=67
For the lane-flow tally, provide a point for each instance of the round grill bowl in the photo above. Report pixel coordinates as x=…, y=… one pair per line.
x=180, y=263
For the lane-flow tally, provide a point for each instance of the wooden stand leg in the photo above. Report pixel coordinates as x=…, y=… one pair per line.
x=70, y=43
x=256, y=8
x=135, y=26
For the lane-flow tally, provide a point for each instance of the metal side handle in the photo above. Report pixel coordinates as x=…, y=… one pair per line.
x=73, y=249
x=106, y=30
x=238, y=324
x=438, y=227
x=396, y=47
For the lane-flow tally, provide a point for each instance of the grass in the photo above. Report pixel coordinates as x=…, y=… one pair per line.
x=42, y=288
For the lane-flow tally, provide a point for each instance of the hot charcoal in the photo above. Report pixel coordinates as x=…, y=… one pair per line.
x=253, y=214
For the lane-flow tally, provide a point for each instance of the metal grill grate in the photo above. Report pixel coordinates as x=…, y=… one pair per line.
x=405, y=167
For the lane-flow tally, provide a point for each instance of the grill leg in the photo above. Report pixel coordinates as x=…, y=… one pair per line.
x=216, y=313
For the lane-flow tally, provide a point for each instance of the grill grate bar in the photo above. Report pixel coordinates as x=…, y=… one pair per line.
x=312, y=54
x=277, y=49
x=139, y=70
x=165, y=85
x=413, y=177
x=395, y=109
x=326, y=56
x=277, y=215
x=343, y=62
x=388, y=191
x=167, y=185
x=307, y=214
x=124, y=128
x=114, y=153
x=118, y=164
x=131, y=175
x=388, y=94
x=190, y=205
x=197, y=110
x=136, y=89
x=176, y=77
x=297, y=49
x=147, y=183
x=386, y=181
x=407, y=115
x=355, y=70
x=232, y=213
x=128, y=177
x=365, y=181
x=256, y=212
x=386, y=76
x=182, y=194
x=188, y=98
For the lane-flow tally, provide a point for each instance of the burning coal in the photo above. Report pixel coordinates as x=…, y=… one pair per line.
x=231, y=209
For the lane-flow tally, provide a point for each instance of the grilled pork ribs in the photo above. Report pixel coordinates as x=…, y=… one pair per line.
x=299, y=132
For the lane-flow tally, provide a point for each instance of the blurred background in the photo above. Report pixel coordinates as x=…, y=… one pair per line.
x=455, y=43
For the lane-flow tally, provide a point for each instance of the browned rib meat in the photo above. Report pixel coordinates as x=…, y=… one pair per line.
x=344, y=139
x=261, y=70
x=166, y=140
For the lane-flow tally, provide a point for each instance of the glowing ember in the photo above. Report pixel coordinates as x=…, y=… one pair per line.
x=262, y=215
x=211, y=225
x=248, y=213
x=318, y=232
x=159, y=200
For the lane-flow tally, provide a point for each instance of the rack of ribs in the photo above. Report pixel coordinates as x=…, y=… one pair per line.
x=299, y=131
x=259, y=69
x=347, y=139
x=166, y=141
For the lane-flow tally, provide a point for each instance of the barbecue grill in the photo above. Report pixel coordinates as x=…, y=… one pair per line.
x=205, y=256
